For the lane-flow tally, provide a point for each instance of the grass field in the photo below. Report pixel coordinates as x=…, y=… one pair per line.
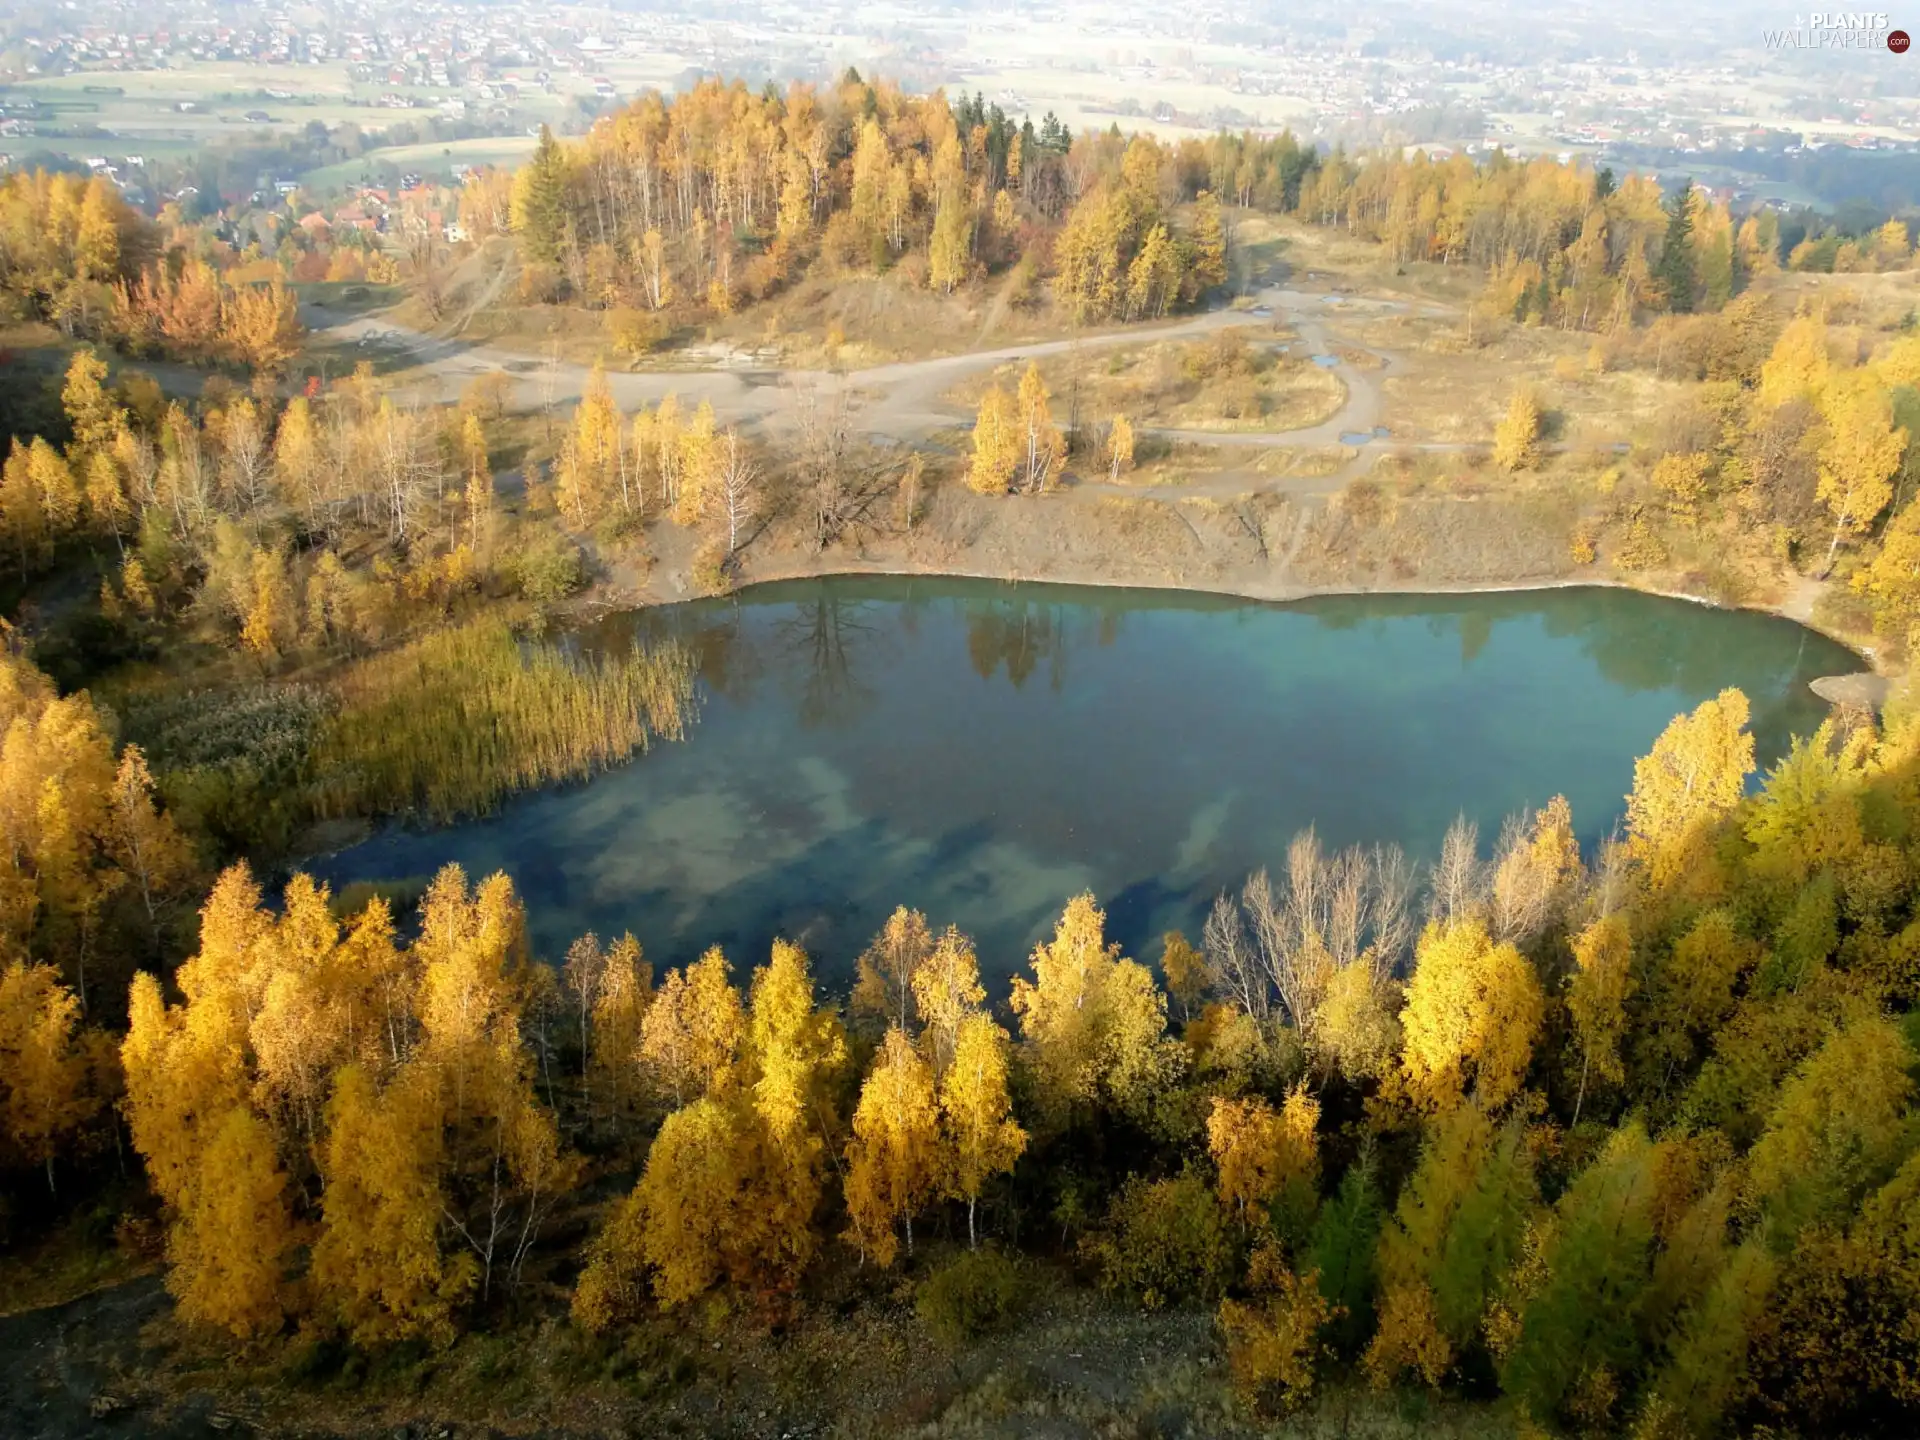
x=144, y=116
x=434, y=159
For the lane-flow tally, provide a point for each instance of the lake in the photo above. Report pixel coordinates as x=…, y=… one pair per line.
x=983, y=751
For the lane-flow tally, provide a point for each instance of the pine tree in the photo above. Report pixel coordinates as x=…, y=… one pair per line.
x=1674, y=275
x=1578, y=1332
x=1341, y=1253
x=540, y=200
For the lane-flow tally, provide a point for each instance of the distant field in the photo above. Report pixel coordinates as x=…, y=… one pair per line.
x=1084, y=100
x=145, y=114
x=434, y=159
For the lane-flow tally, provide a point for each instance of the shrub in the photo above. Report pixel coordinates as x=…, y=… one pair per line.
x=1165, y=1241
x=546, y=568
x=634, y=332
x=1580, y=545
x=1642, y=548
x=709, y=574
x=968, y=1297
x=1272, y=1341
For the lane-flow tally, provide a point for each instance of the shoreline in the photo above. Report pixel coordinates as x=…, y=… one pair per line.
x=1280, y=595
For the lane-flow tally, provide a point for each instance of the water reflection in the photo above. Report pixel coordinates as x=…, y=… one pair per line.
x=983, y=751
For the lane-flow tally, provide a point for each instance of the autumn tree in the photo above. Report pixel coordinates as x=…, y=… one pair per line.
x=692, y=1029
x=46, y=1089
x=946, y=994
x=1093, y=1022
x=1694, y=775
x=1454, y=1234
x=1119, y=447
x=1260, y=1152
x=1858, y=460
x=1598, y=989
x=1273, y=1338
x=997, y=443
x=1473, y=1011
x=1516, y=439
x=1576, y=1331
x=978, y=1131
x=380, y=1266
x=885, y=971
x=733, y=1180
x=894, y=1159
x=1041, y=447
x=1184, y=969
x=233, y=1235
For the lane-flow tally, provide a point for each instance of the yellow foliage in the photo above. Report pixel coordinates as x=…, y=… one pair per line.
x=1516, y=439
x=794, y=1048
x=44, y=1095
x=378, y=1266
x=1260, y=1152
x=1093, y=1022
x=894, y=1159
x=1694, y=775
x=230, y=1244
x=885, y=974
x=946, y=993
x=1683, y=480
x=1473, y=1010
x=1272, y=1342
x=693, y=1028
x=1597, y=993
x=976, y=1115
x=996, y=444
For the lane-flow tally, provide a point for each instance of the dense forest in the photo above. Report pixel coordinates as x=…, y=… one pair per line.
x=718, y=197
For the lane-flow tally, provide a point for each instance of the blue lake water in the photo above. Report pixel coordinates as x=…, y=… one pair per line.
x=983, y=751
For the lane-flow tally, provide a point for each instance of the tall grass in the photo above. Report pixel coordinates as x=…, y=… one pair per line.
x=450, y=724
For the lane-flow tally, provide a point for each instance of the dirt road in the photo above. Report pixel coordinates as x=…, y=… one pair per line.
x=898, y=402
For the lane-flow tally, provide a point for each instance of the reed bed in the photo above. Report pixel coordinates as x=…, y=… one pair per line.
x=451, y=724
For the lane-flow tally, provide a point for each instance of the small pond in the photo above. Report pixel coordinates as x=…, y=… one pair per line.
x=983, y=751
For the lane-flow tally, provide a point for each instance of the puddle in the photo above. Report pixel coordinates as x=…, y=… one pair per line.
x=1357, y=437
x=1326, y=362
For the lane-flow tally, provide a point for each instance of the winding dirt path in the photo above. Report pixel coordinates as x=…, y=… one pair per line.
x=900, y=401
x=903, y=402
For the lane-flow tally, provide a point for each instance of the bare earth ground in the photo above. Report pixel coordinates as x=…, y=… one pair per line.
x=1074, y=1367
